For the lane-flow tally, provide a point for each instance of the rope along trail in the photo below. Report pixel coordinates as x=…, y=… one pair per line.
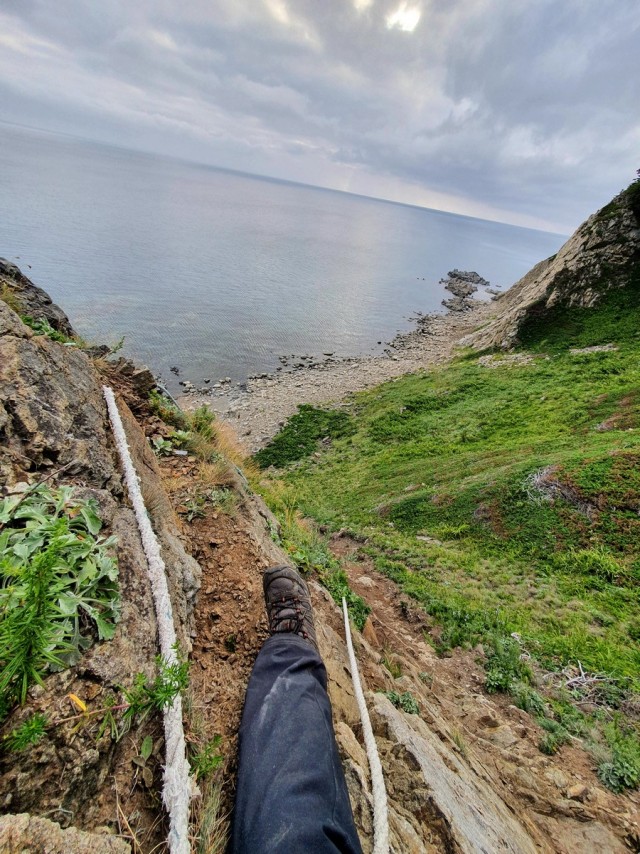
x=177, y=787
x=380, y=814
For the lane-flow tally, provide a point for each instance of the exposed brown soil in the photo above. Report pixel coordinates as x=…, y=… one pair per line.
x=230, y=621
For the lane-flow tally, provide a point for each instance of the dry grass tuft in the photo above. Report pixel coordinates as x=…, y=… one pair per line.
x=209, y=824
x=8, y=295
x=217, y=473
x=228, y=444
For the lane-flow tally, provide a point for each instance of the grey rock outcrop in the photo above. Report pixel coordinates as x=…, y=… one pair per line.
x=31, y=299
x=436, y=802
x=599, y=256
x=462, y=284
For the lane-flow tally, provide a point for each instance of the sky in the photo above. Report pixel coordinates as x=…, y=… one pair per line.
x=521, y=111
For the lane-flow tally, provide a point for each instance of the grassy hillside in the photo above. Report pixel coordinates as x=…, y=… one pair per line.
x=504, y=496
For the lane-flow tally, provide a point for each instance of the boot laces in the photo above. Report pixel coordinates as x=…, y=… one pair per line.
x=287, y=615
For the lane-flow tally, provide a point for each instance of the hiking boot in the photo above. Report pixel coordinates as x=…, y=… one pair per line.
x=288, y=604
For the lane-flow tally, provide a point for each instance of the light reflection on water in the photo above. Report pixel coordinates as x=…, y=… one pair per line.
x=219, y=273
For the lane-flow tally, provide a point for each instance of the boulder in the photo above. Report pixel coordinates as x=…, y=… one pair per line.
x=24, y=833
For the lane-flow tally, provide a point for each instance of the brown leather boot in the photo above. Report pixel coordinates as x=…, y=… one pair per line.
x=286, y=596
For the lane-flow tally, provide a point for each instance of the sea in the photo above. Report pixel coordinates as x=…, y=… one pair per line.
x=218, y=273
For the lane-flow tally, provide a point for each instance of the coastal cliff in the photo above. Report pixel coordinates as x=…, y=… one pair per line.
x=601, y=256
x=433, y=508
x=72, y=788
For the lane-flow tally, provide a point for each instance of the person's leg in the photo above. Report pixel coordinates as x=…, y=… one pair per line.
x=291, y=793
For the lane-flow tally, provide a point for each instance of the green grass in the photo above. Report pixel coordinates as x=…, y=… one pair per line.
x=300, y=435
x=454, y=454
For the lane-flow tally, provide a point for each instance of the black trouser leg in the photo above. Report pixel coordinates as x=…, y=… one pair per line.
x=291, y=795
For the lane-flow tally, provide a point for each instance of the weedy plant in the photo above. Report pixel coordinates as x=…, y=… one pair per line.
x=145, y=696
x=142, y=761
x=116, y=714
x=165, y=409
x=163, y=447
x=405, y=701
x=392, y=664
x=28, y=733
x=623, y=770
x=202, y=421
x=43, y=327
x=207, y=758
x=58, y=585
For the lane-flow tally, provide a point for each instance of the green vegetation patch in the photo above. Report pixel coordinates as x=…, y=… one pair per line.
x=507, y=499
x=166, y=410
x=58, y=585
x=406, y=702
x=301, y=433
x=506, y=502
x=555, y=330
x=43, y=327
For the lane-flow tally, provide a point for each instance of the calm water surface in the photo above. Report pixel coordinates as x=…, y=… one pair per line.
x=219, y=273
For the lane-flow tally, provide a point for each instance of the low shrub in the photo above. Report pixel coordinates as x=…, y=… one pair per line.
x=622, y=771
x=504, y=665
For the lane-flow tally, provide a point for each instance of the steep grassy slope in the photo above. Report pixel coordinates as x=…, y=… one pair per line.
x=502, y=493
x=527, y=475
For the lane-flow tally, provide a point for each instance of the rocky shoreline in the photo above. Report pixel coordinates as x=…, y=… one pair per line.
x=258, y=408
x=463, y=284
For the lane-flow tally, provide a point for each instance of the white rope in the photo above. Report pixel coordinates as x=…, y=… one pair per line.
x=380, y=814
x=177, y=783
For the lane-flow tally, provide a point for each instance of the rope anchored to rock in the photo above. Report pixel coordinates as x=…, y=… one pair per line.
x=380, y=812
x=177, y=786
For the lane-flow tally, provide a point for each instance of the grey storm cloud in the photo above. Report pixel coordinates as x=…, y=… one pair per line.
x=519, y=110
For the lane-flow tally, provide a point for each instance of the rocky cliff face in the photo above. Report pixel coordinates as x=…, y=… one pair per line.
x=29, y=299
x=604, y=253
x=53, y=425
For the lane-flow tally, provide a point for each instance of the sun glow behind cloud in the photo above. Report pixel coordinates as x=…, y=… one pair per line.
x=414, y=101
x=405, y=18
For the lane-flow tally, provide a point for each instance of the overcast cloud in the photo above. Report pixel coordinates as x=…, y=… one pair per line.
x=525, y=111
